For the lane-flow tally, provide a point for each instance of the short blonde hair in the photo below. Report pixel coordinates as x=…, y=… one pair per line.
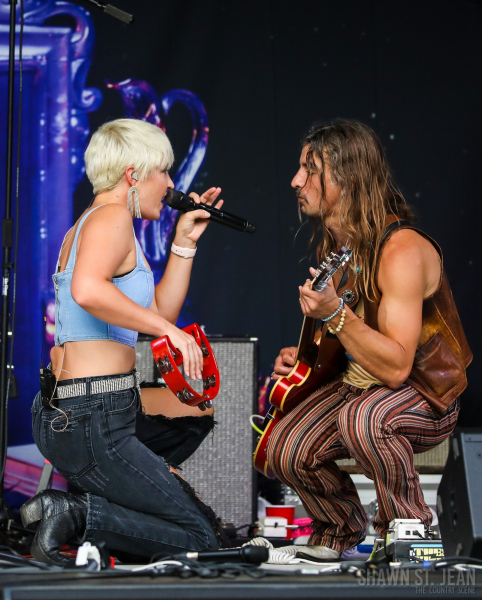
x=122, y=143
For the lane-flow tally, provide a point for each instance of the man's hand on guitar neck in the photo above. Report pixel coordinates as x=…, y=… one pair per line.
x=285, y=362
x=318, y=305
x=313, y=304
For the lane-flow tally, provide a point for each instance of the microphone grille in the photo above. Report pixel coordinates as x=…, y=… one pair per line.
x=177, y=200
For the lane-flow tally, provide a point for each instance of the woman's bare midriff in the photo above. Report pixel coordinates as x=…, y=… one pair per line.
x=92, y=358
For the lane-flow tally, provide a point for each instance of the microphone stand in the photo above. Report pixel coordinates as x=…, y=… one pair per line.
x=7, y=242
x=7, y=239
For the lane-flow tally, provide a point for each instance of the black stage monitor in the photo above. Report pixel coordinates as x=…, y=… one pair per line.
x=459, y=497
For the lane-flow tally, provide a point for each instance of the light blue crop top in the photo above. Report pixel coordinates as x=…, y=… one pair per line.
x=74, y=324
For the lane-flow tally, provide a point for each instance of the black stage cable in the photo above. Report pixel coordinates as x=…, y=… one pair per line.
x=454, y=560
x=15, y=559
x=185, y=568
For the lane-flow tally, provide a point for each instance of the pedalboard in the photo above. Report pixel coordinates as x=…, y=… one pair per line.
x=407, y=541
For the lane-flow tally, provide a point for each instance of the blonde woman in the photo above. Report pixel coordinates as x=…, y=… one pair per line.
x=105, y=294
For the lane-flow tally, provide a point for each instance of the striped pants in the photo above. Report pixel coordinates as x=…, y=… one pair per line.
x=381, y=429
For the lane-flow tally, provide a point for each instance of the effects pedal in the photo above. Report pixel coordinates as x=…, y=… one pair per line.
x=407, y=541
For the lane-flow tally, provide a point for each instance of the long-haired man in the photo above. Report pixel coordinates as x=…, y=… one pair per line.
x=406, y=352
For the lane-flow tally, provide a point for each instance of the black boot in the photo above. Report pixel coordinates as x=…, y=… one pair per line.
x=63, y=518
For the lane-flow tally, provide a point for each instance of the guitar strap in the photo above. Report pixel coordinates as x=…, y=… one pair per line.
x=344, y=279
x=394, y=225
x=350, y=295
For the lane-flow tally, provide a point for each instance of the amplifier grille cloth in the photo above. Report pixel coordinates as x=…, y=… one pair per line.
x=221, y=470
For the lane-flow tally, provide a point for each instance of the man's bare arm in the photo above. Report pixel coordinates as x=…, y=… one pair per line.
x=406, y=270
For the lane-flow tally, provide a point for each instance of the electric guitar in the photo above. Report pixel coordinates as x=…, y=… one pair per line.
x=316, y=363
x=168, y=360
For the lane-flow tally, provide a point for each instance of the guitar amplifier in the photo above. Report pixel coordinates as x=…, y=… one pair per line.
x=221, y=470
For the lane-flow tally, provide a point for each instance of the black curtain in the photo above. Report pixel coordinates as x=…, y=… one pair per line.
x=265, y=70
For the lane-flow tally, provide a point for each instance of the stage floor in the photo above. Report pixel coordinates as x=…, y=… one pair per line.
x=278, y=582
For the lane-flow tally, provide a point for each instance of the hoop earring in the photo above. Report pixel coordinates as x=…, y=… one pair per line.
x=134, y=206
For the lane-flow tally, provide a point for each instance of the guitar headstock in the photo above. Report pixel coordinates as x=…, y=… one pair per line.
x=329, y=267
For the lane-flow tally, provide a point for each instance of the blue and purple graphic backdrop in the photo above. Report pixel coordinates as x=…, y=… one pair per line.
x=55, y=131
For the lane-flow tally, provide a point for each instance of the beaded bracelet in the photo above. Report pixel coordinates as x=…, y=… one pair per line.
x=340, y=324
x=336, y=311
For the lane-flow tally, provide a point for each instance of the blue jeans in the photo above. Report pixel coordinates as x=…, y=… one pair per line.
x=135, y=504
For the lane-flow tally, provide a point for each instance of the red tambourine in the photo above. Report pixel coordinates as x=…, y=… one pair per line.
x=168, y=359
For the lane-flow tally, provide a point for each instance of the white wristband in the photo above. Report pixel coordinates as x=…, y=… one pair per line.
x=184, y=252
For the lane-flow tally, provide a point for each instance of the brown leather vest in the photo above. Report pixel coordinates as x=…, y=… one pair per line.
x=443, y=353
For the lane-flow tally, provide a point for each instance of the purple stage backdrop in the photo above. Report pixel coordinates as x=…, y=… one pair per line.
x=54, y=132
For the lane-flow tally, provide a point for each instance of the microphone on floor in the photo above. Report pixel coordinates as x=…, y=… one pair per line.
x=254, y=555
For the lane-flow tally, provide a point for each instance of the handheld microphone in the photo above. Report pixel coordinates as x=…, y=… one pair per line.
x=180, y=201
x=254, y=555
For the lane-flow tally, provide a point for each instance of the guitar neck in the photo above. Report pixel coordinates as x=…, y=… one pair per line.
x=307, y=348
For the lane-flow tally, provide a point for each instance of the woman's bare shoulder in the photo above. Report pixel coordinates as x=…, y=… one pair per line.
x=108, y=227
x=110, y=213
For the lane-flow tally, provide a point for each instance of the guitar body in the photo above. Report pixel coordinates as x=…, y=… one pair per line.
x=290, y=391
x=316, y=364
x=304, y=379
x=260, y=460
